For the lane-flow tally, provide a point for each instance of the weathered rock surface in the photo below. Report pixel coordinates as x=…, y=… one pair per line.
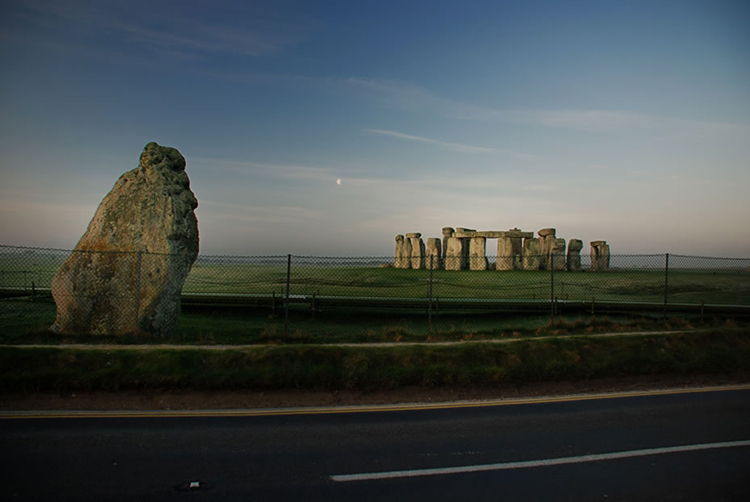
x=402, y=260
x=532, y=259
x=574, y=255
x=557, y=255
x=599, y=255
x=454, y=256
x=547, y=232
x=477, y=253
x=417, y=251
x=546, y=243
x=505, y=253
x=433, y=258
x=126, y=273
x=447, y=234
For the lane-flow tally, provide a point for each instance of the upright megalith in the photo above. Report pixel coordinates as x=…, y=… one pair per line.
x=454, y=255
x=433, y=257
x=477, y=253
x=532, y=258
x=557, y=255
x=574, y=255
x=546, y=243
x=417, y=250
x=599, y=255
x=510, y=249
x=403, y=258
x=505, y=254
x=447, y=234
x=465, y=234
x=126, y=273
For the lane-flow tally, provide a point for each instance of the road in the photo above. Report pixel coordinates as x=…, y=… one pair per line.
x=675, y=446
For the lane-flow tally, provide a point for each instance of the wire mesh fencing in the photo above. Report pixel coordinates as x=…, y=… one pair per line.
x=131, y=283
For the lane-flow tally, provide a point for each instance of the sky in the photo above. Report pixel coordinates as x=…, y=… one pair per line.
x=624, y=121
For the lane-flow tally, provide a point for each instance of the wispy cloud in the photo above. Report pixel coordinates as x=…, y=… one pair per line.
x=288, y=171
x=189, y=30
x=456, y=147
x=411, y=97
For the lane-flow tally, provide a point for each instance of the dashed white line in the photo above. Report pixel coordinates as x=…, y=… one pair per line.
x=534, y=463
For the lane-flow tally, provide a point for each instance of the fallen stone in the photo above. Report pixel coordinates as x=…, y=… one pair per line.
x=126, y=273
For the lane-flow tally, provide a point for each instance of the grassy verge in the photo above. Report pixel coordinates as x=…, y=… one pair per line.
x=237, y=328
x=270, y=367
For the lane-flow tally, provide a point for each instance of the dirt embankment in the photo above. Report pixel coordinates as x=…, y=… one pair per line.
x=225, y=400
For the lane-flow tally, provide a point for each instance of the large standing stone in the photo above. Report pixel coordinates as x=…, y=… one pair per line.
x=125, y=275
x=557, y=255
x=465, y=234
x=454, y=256
x=447, y=234
x=546, y=243
x=477, y=253
x=599, y=255
x=417, y=250
x=505, y=254
x=532, y=259
x=402, y=259
x=433, y=258
x=510, y=249
x=574, y=255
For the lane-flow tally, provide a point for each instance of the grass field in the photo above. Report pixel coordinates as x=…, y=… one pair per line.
x=635, y=279
x=723, y=283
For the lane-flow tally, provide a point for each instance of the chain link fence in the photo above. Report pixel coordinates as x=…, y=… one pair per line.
x=278, y=285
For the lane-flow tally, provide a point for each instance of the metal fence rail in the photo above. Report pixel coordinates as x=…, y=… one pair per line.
x=661, y=283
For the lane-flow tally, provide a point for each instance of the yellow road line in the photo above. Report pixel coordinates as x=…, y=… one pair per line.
x=10, y=415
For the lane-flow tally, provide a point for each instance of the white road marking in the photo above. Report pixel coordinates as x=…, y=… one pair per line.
x=534, y=463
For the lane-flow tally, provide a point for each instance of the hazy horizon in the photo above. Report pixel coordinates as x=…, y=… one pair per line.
x=620, y=121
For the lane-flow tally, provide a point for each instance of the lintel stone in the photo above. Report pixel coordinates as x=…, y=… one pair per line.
x=413, y=235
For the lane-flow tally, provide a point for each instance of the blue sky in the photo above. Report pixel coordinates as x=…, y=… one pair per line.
x=623, y=121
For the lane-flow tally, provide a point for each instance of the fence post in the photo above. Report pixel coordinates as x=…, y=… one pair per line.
x=666, y=283
x=138, y=289
x=429, y=303
x=286, y=303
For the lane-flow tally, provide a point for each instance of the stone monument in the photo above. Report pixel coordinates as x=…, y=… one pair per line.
x=599, y=255
x=417, y=250
x=574, y=255
x=126, y=273
x=433, y=258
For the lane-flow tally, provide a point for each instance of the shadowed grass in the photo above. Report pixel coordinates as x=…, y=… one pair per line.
x=724, y=351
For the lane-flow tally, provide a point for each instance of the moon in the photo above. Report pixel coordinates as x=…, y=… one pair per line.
x=338, y=181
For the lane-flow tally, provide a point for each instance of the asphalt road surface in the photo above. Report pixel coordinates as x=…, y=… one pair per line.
x=676, y=446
